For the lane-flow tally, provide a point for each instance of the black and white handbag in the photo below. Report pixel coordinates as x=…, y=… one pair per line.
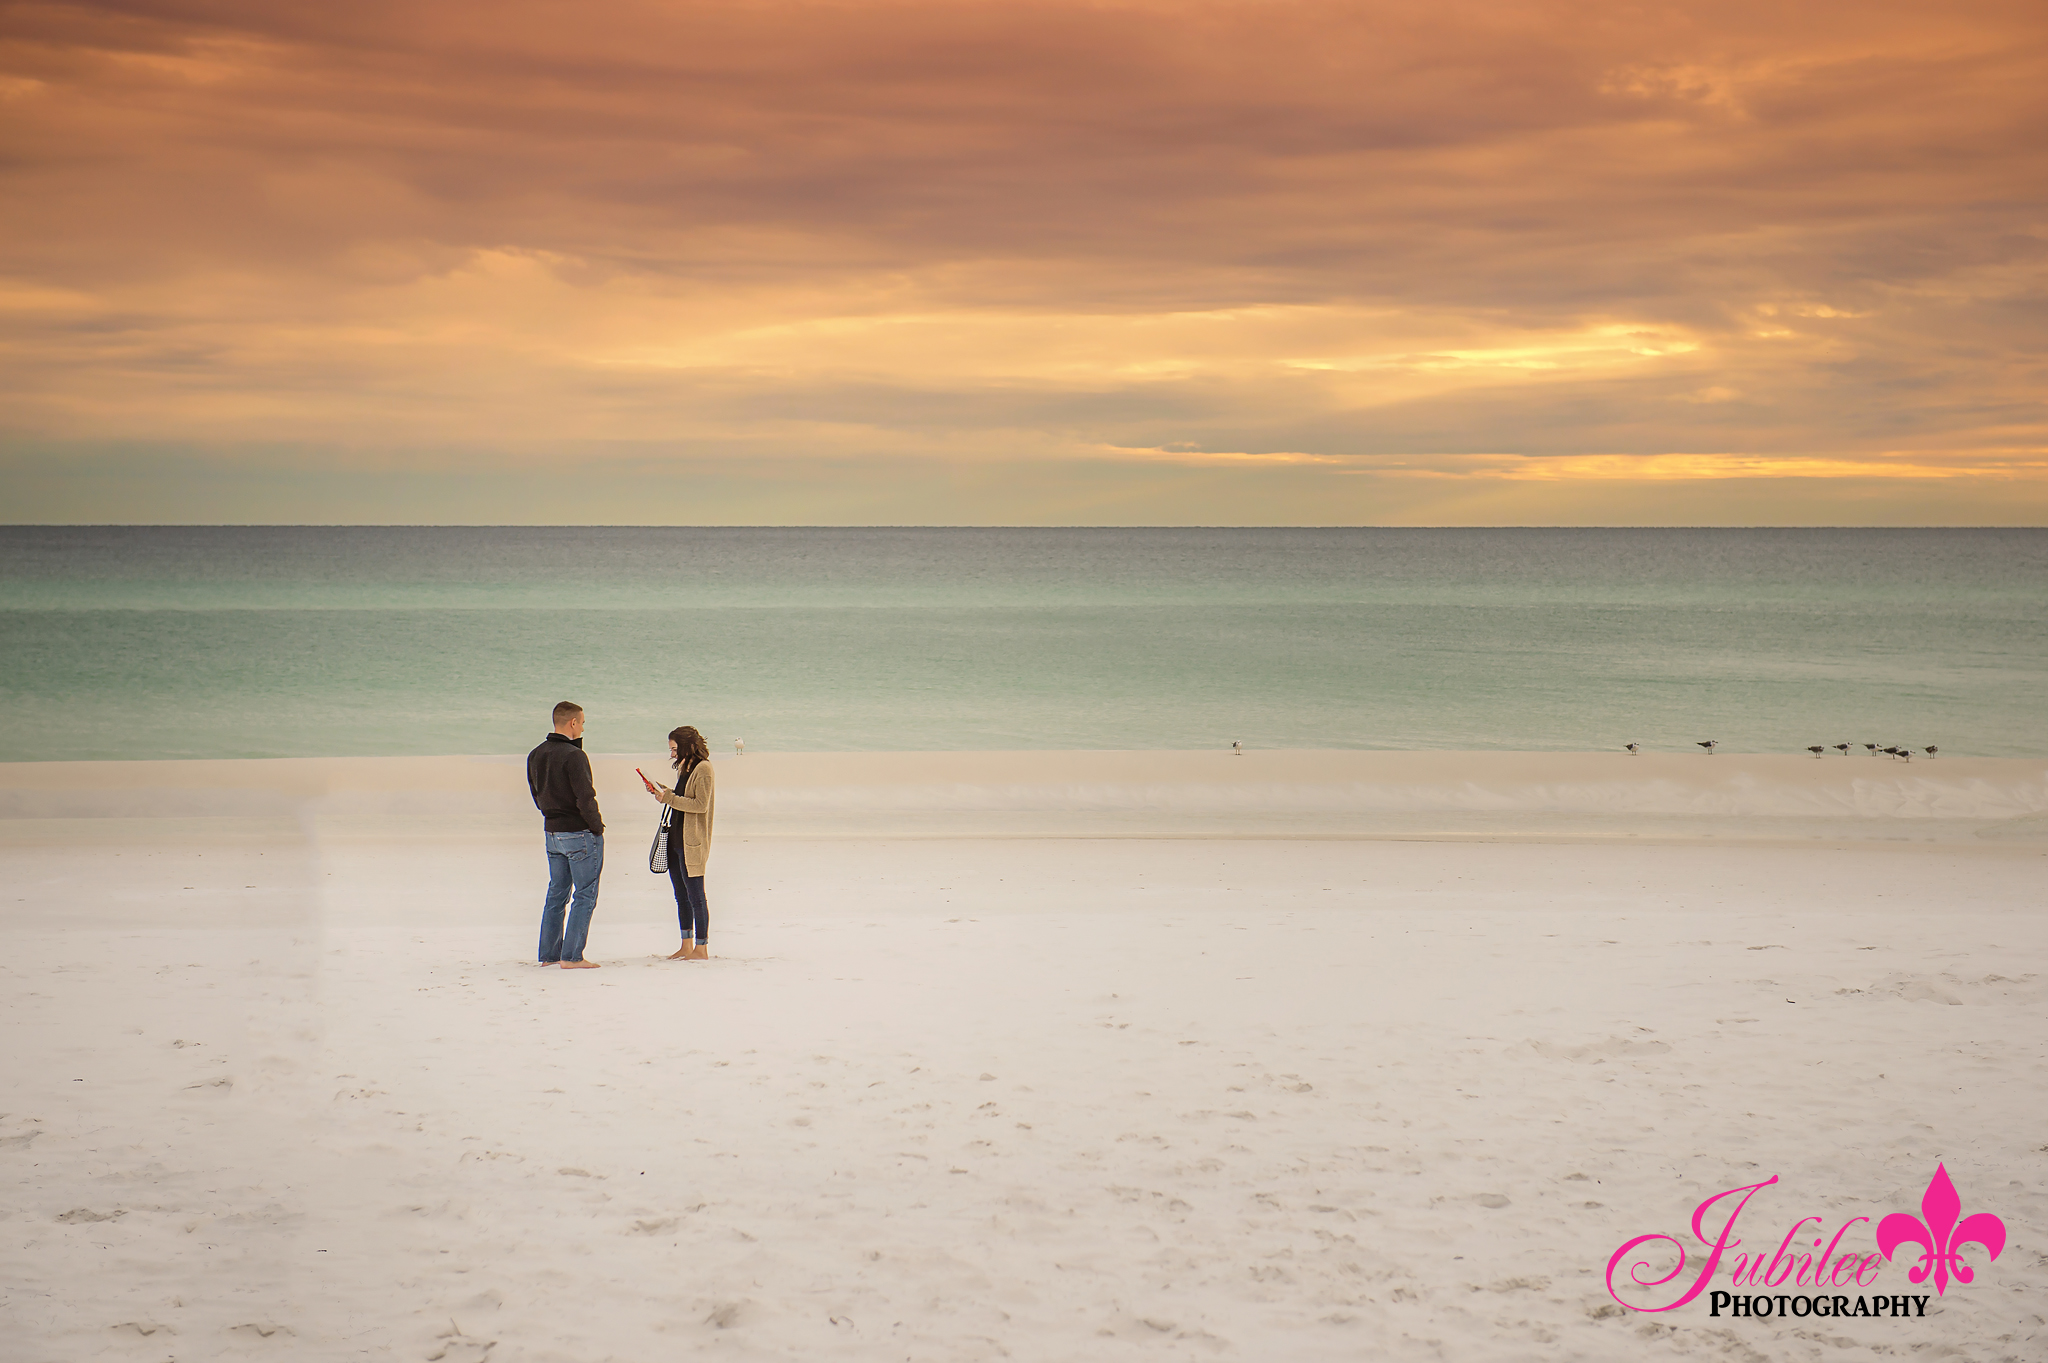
x=657, y=855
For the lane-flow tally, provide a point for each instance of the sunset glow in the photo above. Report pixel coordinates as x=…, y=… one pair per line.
x=1301, y=263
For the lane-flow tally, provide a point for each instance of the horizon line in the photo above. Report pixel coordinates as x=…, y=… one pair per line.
x=881, y=525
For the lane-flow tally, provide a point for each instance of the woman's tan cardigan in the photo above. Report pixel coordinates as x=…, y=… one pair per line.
x=699, y=793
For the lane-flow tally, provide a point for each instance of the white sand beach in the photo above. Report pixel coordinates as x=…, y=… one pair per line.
x=1051, y=1056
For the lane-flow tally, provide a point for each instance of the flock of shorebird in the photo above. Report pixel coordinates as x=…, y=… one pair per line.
x=1821, y=749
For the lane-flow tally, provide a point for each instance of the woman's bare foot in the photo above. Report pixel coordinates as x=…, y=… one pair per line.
x=579, y=965
x=681, y=953
x=700, y=952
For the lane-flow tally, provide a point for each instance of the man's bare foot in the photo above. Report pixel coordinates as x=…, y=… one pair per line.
x=681, y=953
x=579, y=965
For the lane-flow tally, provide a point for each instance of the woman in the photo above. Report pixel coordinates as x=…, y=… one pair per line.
x=689, y=842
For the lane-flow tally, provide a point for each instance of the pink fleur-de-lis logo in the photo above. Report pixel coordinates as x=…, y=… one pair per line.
x=1940, y=1235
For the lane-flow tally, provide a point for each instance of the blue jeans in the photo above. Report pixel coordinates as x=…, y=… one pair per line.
x=693, y=915
x=575, y=860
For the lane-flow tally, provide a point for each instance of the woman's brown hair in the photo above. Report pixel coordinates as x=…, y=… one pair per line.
x=690, y=749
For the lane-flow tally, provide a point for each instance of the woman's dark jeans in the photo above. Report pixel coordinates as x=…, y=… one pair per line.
x=692, y=915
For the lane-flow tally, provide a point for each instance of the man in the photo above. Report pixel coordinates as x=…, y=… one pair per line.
x=558, y=774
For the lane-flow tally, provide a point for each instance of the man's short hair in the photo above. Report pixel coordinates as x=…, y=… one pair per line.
x=566, y=710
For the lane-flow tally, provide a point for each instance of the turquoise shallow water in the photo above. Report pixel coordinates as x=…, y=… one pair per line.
x=266, y=641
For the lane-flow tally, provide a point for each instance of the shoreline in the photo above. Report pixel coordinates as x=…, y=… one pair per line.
x=1285, y=794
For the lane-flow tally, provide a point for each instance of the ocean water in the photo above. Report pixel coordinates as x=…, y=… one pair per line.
x=159, y=642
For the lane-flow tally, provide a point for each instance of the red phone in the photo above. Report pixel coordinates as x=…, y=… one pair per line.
x=643, y=778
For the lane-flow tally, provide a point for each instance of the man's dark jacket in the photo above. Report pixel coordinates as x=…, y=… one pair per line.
x=558, y=774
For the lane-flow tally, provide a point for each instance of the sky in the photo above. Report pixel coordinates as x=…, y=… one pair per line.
x=1243, y=262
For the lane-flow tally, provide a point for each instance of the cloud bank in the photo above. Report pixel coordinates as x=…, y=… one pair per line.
x=975, y=262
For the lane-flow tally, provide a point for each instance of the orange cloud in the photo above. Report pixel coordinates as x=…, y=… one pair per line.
x=1655, y=468
x=1763, y=241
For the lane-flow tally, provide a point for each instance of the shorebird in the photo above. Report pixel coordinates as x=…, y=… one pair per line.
x=1842, y=748
x=1709, y=744
x=1891, y=751
x=1236, y=747
x=1906, y=754
x=1872, y=748
x=1932, y=750
x=1631, y=748
x=1817, y=750
x=739, y=747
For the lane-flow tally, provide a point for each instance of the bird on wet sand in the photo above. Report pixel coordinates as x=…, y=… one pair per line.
x=1905, y=754
x=1870, y=748
x=1817, y=750
x=1932, y=750
x=1709, y=744
x=1631, y=748
x=1842, y=748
